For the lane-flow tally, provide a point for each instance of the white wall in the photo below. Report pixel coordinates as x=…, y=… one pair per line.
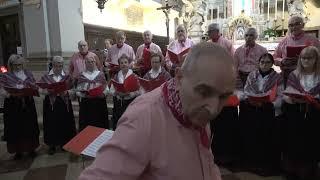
x=71, y=25
x=114, y=16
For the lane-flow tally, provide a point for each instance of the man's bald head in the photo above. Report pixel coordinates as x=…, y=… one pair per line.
x=205, y=49
x=83, y=47
x=181, y=33
x=147, y=36
x=251, y=36
x=296, y=25
x=205, y=81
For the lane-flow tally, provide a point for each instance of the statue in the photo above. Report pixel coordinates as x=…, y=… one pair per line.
x=192, y=17
x=185, y=13
x=297, y=8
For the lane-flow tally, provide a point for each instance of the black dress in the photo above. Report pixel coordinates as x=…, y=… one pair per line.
x=21, y=130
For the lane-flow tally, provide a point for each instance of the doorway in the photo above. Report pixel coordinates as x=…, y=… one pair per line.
x=10, y=39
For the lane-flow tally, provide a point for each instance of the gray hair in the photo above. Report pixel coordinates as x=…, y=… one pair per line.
x=180, y=26
x=15, y=59
x=214, y=27
x=299, y=18
x=251, y=29
x=216, y=52
x=57, y=59
x=145, y=32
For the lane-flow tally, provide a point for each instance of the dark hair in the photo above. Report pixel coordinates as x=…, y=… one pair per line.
x=267, y=55
x=124, y=56
x=153, y=54
x=120, y=33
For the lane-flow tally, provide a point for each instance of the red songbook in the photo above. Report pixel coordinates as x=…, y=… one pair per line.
x=114, y=67
x=149, y=85
x=265, y=98
x=232, y=101
x=305, y=97
x=294, y=51
x=146, y=58
x=57, y=87
x=130, y=84
x=22, y=92
x=88, y=141
x=94, y=92
x=176, y=58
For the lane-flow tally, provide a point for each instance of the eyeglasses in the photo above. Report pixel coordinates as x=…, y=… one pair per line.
x=180, y=31
x=251, y=35
x=265, y=62
x=295, y=24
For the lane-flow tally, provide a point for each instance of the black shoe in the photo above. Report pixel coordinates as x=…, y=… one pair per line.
x=32, y=154
x=17, y=156
x=52, y=150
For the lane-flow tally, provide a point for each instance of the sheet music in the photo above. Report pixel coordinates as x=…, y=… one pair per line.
x=92, y=148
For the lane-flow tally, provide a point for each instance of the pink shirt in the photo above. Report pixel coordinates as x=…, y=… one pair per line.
x=150, y=144
x=247, y=58
x=225, y=44
x=303, y=39
x=176, y=46
x=115, y=53
x=153, y=47
x=77, y=63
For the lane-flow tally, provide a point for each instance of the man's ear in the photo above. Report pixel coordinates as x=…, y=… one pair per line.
x=178, y=77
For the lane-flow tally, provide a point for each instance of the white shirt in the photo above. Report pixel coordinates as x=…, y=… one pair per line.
x=20, y=75
x=57, y=77
x=309, y=81
x=154, y=74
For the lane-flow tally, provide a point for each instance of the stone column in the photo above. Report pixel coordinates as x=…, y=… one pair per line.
x=51, y=27
x=195, y=30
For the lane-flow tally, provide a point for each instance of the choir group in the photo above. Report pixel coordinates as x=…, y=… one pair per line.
x=274, y=121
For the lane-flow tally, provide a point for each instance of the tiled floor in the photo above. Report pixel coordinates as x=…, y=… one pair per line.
x=65, y=166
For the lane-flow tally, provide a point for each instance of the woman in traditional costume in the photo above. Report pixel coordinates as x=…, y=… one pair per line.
x=58, y=119
x=302, y=117
x=157, y=71
x=257, y=117
x=21, y=130
x=92, y=89
x=121, y=100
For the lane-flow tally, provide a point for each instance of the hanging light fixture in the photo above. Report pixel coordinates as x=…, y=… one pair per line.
x=101, y=4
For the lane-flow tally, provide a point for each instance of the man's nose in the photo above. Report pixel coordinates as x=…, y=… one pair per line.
x=213, y=104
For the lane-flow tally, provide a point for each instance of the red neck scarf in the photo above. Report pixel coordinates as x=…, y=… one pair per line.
x=147, y=45
x=172, y=99
x=215, y=39
x=297, y=37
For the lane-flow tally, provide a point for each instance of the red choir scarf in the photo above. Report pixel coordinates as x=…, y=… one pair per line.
x=172, y=99
x=215, y=39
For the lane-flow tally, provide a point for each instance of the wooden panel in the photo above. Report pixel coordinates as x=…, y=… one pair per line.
x=95, y=36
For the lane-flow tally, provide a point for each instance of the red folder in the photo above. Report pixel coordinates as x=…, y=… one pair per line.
x=149, y=85
x=266, y=98
x=294, y=51
x=146, y=58
x=77, y=144
x=57, y=87
x=305, y=97
x=113, y=67
x=130, y=84
x=232, y=101
x=94, y=92
x=176, y=58
x=22, y=92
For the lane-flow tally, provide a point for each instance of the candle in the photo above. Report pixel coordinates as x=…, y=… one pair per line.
x=283, y=5
x=268, y=10
x=276, y=10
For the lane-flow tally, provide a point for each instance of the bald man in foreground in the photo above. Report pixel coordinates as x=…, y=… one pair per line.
x=164, y=134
